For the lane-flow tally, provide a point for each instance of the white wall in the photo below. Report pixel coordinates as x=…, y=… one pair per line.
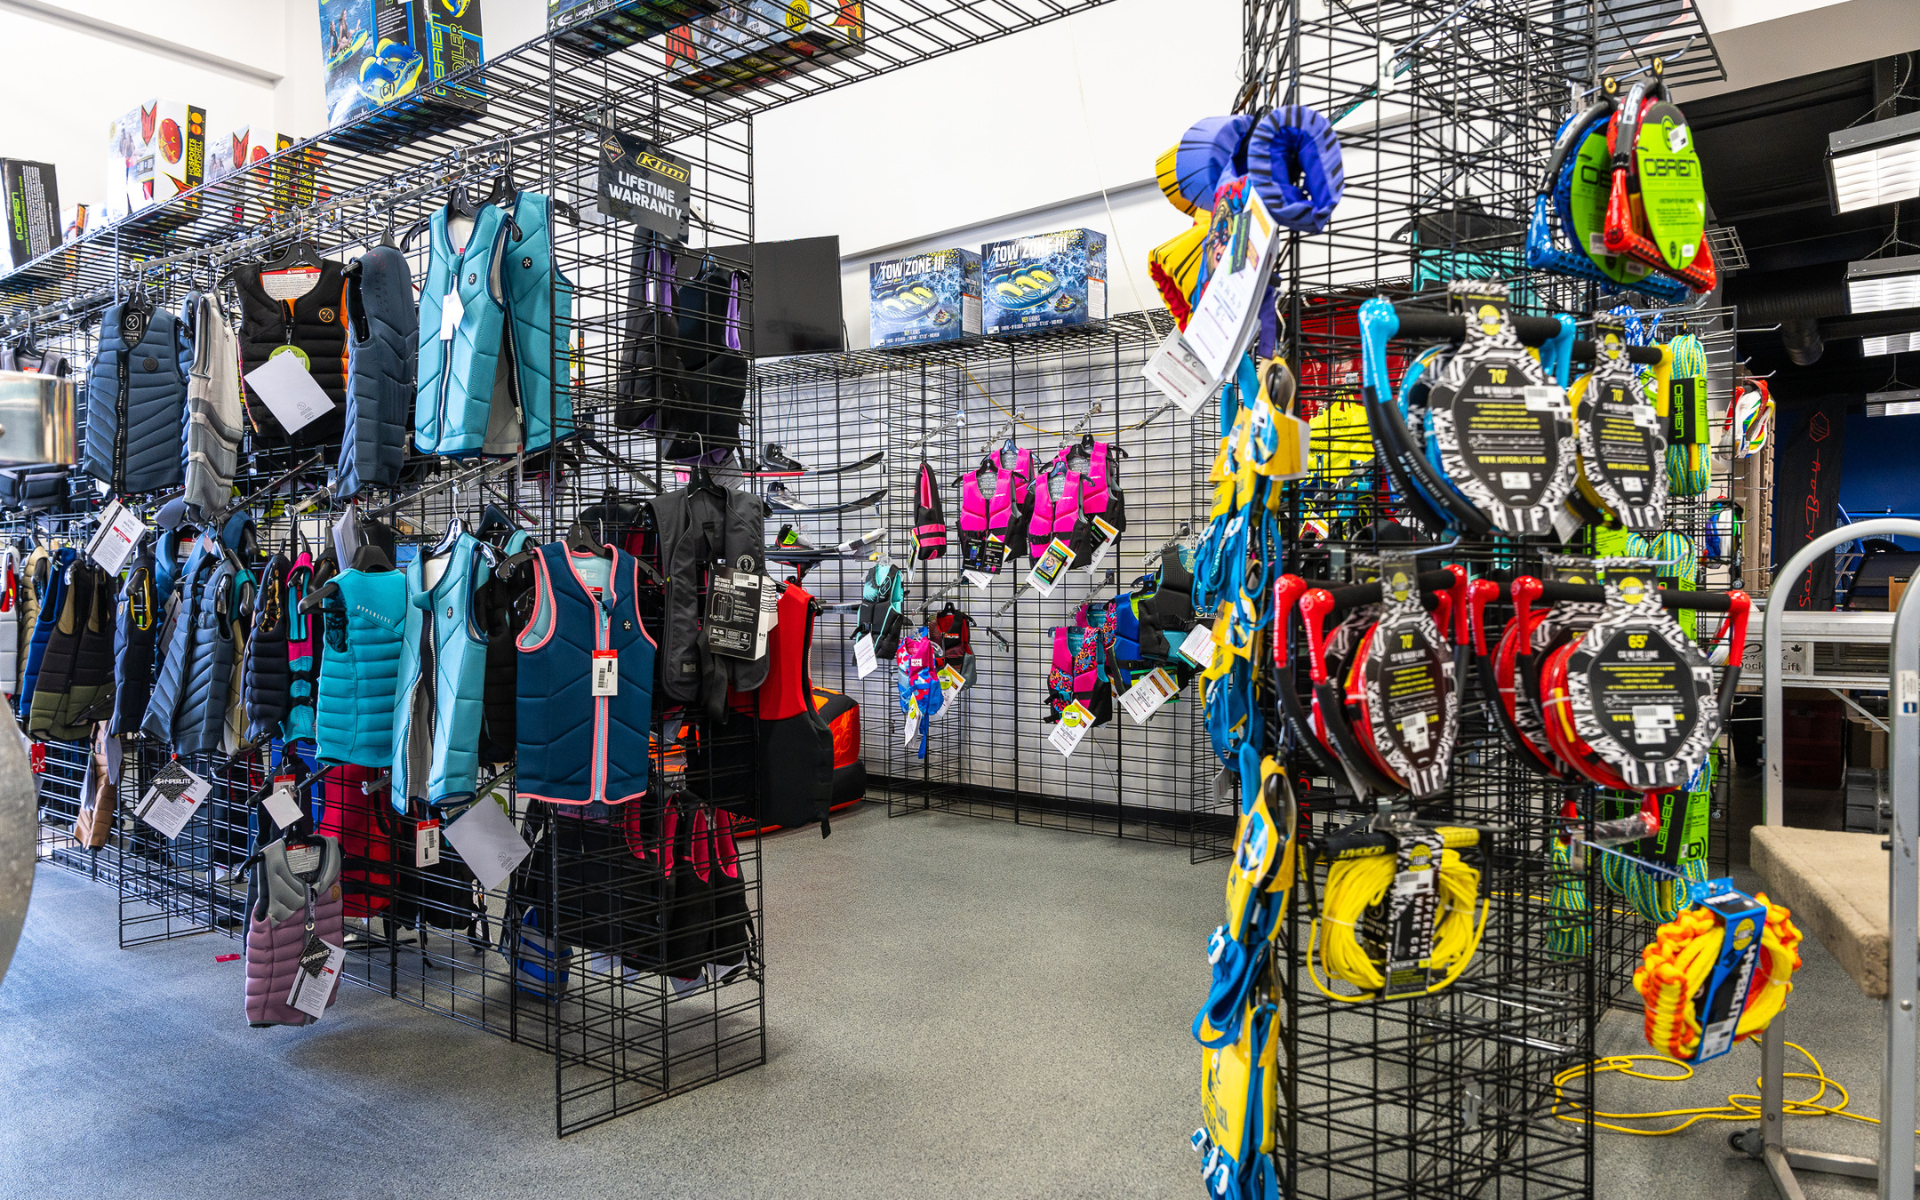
x=1765, y=41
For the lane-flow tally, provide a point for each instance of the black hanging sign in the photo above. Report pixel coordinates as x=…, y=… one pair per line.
x=643, y=184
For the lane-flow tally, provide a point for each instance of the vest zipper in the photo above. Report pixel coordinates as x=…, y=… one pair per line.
x=120, y=415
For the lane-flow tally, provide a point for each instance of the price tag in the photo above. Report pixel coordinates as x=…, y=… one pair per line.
x=1105, y=531
x=979, y=579
x=863, y=660
x=606, y=672
x=1179, y=374
x=487, y=842
x=426, y=843
x=451, y=310
x=120, y=531
x=319, y=974
x=280, y=804
x=170, y=803
x=1046, y=573
x=1074, y=723
x=1198, y=646
x=1144, y=698
x=912, y=723
x=951, y=681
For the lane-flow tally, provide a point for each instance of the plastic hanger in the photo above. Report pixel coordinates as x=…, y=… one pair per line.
x=300, y=254
x=580, y=540
x=455, y=528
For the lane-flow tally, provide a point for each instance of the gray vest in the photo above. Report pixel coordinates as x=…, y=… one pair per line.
x=696, y=532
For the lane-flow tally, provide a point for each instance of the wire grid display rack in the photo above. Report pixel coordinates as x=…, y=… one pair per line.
x=1445, y=115
x=948, y=406
x=536, y=115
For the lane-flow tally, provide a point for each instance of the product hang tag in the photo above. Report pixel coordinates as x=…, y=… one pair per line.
x=487, y=842
x=1065, y=737
x=951, y=681
x=280, y=804
x=733, y=612
x=287, y=388
x=911, y=724
x=994, y=555
x=1198, y=646
x=1179, y=374
x=1411, y=902
x=112, y=544
x=864, y=663
x=1107, y=533
x=319, y=973
x=176, y=794
x=1046, y=573
x=451, y=310
x=979, y=579
x=426, y=843
x=1909, y=691
x=606, y=672
x=1144, y=698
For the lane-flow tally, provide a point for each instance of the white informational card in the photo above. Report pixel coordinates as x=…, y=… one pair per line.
x=864, y=663
x=1198, y=646
x=489, y=843
x=318, y=975
x=1075, y=720
x=910, y=726
x=1052, y=565
x=1144, y=699
x=113, y=543
x=280, y=804
x=1179, y=374
x=1225, y=317
x=979, y=579
x=172, y=800
x=287, y=388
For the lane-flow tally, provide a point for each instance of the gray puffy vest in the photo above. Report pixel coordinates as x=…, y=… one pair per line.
x=136, y=399
x=290, y=907
x=383, y=344
x=695, y=531
x=216, y=416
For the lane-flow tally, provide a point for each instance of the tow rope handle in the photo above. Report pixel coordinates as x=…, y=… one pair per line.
x=1739, y=608
x=1480, y=593
x=1620, y=234
x=1287, y=591
x=1315, y=606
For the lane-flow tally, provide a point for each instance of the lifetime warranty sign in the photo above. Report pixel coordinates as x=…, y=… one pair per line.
x=645, y=185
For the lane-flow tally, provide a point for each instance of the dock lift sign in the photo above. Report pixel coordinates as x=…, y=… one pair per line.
x=649, y=187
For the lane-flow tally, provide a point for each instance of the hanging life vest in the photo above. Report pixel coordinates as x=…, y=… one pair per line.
x=436, y=719
x=267, y=680
x=360, y=668
x=293, y=907
x=695, y=530
x=303, y=650
x=983, y=515
x=216, y=416
x=883, y=600
x=463, y=313
x=540, y=324
x=575, y=743
x=501, y=607
x=10, y=620
x=929, y=519
x=136, y=396
x=76, y=674
x=383, y=350
x=212, y=647
x=277, y=319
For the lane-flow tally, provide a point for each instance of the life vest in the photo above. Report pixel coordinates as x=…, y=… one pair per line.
x=1100, y=497
x=303, y=650
x=211, y=648
x=50, y=597
x=136, y=395
x=1167, y=614
x=1019, y=514
x=458, y=374
x=267, y=681
x=291, y=908
x=686, y=525
x=565, y=736
x=443, y=668
x=796, y=748
x=984, y=515
x=366, y=828
x=501, y=607
x=9, y=620
x=712, y=385
x=540, y=320
x=383, y=347
x=648, y=359
x=75, y=685
x=175, y=639
x=215, y=415
x=929, y=520
x=30, y=582
x=883, y=598
x=360, y=668
x=310, y=324
x=1079, y=666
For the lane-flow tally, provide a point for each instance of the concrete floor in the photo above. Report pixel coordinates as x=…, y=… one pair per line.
x=956, y=1008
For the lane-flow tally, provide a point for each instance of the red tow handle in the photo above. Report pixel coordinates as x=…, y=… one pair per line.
x=1480, y=593
x=1286, y=593
x=1314, y=608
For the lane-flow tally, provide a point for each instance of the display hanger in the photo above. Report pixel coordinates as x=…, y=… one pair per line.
x=580, y=540
x=301, y=253
x=455, y=528
x=494, y=520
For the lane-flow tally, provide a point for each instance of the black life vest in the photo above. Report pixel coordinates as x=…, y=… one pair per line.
x=647, y=362
x=136, y=400
x=693, y=531
x=1166, y=615
x=75, y=685
x=314, y=324
x=136, y=636
x=383, y=347
x=267, y=681
x=502, y=606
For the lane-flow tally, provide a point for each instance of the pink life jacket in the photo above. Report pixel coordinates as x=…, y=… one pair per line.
x=929, y=519
x=1093, y=485
x=981, y=515
x=1020, y=511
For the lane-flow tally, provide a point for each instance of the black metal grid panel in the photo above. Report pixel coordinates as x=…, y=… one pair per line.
x=946, y=405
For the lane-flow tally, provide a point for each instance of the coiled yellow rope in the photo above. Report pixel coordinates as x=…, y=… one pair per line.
x=1356, y=884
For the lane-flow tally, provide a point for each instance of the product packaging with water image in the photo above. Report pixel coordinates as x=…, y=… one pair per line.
x=154, y=153
x=392, y=55
x=1044, y=281
x=750, y=42
x=603, y=26
x=931, y=297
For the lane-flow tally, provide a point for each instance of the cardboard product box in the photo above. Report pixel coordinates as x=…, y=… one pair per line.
x=1044, y=281
x=932, y=297
x=388, y=57
x=73, y=221
x=745, y=44
x=154, y=153
x=33, y=214
x=603, y=26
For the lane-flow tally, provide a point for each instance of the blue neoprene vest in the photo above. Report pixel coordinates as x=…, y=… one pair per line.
x=453, y=397
x=200, y=720
x=573, y=747
x=360, y=668
x=437, y=718
x=540, y=316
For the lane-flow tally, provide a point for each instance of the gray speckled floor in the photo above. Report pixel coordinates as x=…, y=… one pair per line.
x=956, y=1008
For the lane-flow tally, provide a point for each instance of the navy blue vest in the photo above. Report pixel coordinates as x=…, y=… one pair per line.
x=136, y=401
x=383, y=334
x=573, y=747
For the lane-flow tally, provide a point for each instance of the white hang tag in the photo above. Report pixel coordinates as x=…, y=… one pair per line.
x=863, y=660
x=426, y=843
x=912, y=722
x=979, y=579
x=1075, y=720
x=120, y=531
x=1542, y=397
x=1198, y=646
x=487, y=842
x=1413, y=731
x=175, y=796
x=280, y=804
x=317, y=976
x=1179, y=374
x=769, y=616
x=451, y=310
x=1909, y=684
x=951, y=681
x=1144, y=698
x=287, y=388
x=1108, y=535
x=606, y=672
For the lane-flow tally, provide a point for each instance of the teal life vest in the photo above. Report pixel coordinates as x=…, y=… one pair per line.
x=540, y=320
x=439, y=703
x=360, y=668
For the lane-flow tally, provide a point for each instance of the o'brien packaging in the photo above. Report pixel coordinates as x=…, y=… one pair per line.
x=33, y=212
